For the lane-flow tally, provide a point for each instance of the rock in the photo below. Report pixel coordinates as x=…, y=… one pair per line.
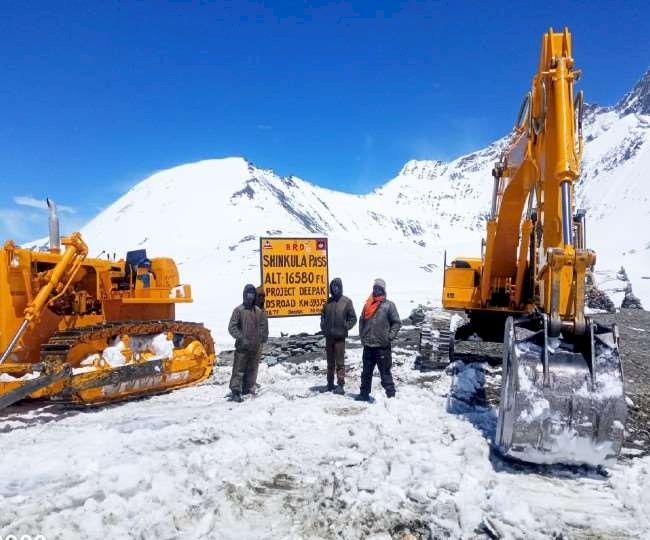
x=417, y=315
x=271, y=360
x=630, y=301
x=596, y=298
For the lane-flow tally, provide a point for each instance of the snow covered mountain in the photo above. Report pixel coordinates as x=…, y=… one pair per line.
x=209, y=216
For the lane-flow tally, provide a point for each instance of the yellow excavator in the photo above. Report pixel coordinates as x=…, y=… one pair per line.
x=92, y=331
x=562, y=392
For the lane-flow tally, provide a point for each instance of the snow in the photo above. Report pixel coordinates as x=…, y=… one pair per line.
x=294, y=463
x=606, y=386
x=573, y=449
x=5, y=377
x=113, y=353
x=157, y=344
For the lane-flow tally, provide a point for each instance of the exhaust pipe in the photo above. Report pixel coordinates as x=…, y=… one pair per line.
x=55, y=237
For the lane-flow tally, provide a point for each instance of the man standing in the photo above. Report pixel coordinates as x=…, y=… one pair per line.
x=336, y=319
x=249, y=326
x=249, y=386
x=378, y=326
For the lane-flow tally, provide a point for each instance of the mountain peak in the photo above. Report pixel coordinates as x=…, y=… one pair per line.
x=422, y=168
x=637, y=100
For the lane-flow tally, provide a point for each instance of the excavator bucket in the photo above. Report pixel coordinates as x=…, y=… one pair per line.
x=562, y=399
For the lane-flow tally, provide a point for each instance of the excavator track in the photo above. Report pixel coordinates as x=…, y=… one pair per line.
x=60, y=355
x=436, y=349
x=562, y=401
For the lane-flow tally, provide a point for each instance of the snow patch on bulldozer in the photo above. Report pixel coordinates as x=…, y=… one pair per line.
x=5, y=377
x=158, y=345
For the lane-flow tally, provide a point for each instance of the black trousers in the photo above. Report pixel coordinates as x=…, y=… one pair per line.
x=380, y=357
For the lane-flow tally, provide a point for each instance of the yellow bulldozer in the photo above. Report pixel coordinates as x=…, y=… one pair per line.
x=562, y=392
x=92, y=331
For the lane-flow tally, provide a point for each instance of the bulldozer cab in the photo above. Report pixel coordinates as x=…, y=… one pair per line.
x=135, y=267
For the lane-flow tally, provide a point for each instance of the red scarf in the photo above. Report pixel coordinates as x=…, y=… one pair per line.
x=371, y=306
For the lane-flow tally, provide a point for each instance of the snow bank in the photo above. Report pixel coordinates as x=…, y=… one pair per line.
x=293, y=463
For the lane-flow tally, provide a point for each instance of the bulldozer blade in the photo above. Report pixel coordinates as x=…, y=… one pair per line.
x=32, y=386
x=562, y=400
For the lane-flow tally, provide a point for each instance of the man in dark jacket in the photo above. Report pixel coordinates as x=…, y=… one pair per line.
x=249, y=386
x=250, y=328
x=336, y=319
x=378, y=327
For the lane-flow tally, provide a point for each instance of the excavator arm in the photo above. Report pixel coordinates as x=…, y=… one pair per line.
x=562, y=396
x=539, y=167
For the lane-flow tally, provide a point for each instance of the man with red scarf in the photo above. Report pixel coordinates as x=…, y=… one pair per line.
x=378, y=327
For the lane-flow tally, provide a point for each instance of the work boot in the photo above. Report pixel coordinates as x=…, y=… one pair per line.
x=339, y=390
x=236, y=396
x=328, y=388
x=362, y=397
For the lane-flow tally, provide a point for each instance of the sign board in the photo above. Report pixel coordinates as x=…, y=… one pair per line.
x=294, y=275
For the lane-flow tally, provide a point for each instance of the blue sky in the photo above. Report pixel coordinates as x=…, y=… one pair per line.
x=95, y=96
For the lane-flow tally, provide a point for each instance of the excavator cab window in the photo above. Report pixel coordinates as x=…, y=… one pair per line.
x=460, y=263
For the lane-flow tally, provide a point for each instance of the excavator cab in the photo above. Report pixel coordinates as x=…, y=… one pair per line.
x=461, y=283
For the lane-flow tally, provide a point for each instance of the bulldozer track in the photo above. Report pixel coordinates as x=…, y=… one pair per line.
x=57, y=348
x=54, y=356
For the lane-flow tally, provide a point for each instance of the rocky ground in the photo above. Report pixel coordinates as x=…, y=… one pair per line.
x=634, y=329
